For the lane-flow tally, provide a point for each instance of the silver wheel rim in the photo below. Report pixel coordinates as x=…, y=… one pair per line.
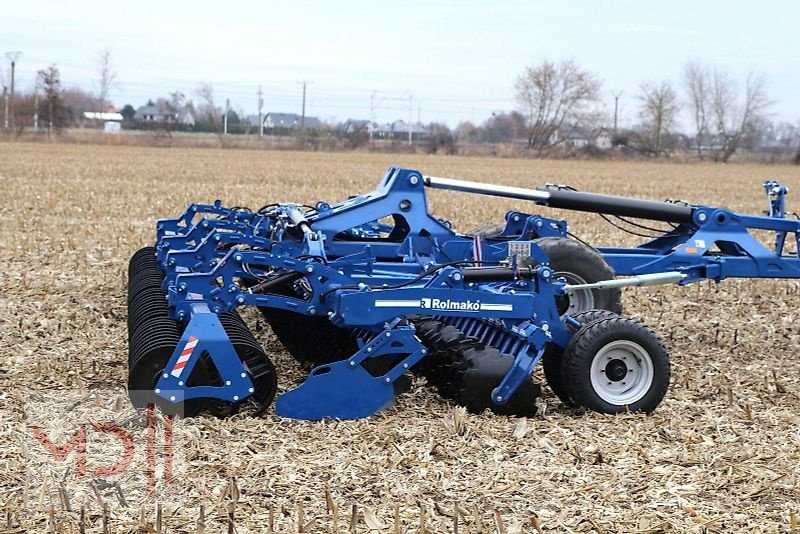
x=622, y=372
x=579, y=301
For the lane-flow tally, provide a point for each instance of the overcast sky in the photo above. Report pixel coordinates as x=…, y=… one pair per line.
x=458, y=60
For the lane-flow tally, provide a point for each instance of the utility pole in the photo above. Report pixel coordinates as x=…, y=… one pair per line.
x=225, y=118
x=13, y=57
x=410, y=115
x=616, y=107
x=303, y=113
x=5, y=107
x=260, y=115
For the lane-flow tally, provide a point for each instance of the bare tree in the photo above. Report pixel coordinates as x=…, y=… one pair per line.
x=106, y=77
x=207, y=108
x=659, y=111
x=50, y=80
x=696, y=78
x=722, y=117
x=553, y=97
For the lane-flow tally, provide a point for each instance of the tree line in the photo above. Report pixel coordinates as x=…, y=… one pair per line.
x=559, y=110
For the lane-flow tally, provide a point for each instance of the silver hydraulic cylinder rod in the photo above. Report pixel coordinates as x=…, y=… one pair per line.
x=574, y=200
x=487, y=189
x=299, y=219
x=655, y=279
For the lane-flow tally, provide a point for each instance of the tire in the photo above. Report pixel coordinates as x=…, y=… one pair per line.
x=616, y=364
x=578, y=264
x=553, y=355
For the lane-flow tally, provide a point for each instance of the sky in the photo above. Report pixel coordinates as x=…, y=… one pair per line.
x=444, y=61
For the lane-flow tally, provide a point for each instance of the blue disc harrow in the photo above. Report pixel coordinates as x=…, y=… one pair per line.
x=374, y=290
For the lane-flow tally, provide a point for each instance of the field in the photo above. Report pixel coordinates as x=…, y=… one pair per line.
x=721, y=454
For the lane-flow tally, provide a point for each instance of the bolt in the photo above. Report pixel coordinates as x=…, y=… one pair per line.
x=310, y=269
x=702, y=217
x=238, y=257
x=369, y=349
x=217, y=238
x=539, y=224
x=182, y=288
x=546, y=273
x=180, y=382
x=545, y=327
x=240, y=299
x=413, y=180
x=172, y=398
x=236, y=397
x=424, y=351
x=251, y=390
x=227, y=382
x=499, y=398
x=516, y=218
x=243, y=375
x=405, y=366
x=387, y=380
x=352, y=363
x=165, y=375
x=158, y=390
x=457, y=277
x=388, y=334
x=312, y=311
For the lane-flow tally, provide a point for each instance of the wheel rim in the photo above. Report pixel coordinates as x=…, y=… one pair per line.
x=622, y=372
x=576, y=302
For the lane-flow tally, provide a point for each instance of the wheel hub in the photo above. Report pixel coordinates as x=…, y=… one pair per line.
x=616, y=370
x=578, y=301
x=622, y=372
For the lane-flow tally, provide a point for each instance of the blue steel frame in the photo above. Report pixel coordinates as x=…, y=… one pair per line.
x=366, y=272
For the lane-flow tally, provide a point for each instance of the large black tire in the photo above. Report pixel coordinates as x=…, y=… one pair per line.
x=616, y=364
x=579, y=263
x=553, y=355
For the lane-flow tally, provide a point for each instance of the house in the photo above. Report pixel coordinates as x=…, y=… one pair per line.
x=579, y=137
x=152, y=113
x=603, y=139
x=352, y=126
x=290, y=121
x=109, y=120
x=186, y=117
x=165, y=113
x=399, y=130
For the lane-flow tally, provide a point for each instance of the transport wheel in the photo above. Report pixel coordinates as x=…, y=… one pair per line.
x=615, y=364
x=553, y=354
x=580, y=264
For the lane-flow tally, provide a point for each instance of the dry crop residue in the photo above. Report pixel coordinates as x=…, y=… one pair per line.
x=719, y=455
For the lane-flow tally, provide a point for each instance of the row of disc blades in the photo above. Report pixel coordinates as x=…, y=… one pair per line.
x=153, y=337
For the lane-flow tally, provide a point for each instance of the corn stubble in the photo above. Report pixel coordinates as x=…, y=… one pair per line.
x=719, y=455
